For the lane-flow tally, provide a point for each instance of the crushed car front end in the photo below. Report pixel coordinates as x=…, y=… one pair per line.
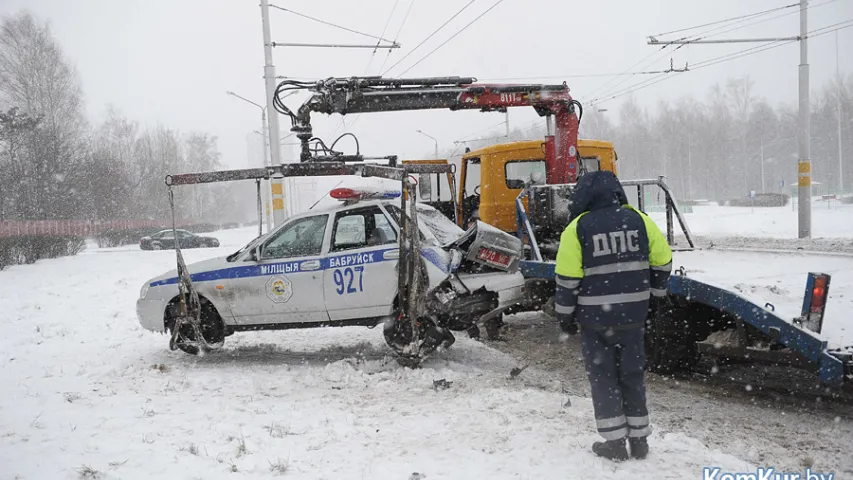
x=474, y=274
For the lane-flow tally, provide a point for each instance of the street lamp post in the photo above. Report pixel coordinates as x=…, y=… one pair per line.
x=264, y=132
x=433, y=139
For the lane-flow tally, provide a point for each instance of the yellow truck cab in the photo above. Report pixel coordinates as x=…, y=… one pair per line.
x=491, y=178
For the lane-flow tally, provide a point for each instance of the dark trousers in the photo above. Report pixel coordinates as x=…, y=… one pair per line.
x=615, y=363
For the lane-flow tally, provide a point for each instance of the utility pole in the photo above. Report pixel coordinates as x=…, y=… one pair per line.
x=838, y=113
x=265, y=161
x=804, y=165
x=762, y=163
x=689, y=164
x=277, y=186
x=264, y=132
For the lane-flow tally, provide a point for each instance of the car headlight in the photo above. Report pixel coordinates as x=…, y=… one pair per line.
x=144, y=290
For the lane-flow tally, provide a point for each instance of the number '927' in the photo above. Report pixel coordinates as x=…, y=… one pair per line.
x=345, y=280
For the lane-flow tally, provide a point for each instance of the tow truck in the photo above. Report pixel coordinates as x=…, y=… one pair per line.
x=674, y=338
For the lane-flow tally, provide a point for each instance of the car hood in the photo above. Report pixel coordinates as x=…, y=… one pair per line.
x=196, y=268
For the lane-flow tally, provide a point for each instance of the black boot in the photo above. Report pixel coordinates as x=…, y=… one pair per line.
x=612, y=449
x=639, y=447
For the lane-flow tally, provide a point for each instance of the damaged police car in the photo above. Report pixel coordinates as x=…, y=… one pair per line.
x=338, y=267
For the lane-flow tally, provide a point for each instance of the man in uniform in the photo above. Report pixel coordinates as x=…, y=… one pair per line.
x=613, y=266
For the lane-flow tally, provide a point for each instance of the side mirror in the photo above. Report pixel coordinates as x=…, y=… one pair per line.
x=255, y=254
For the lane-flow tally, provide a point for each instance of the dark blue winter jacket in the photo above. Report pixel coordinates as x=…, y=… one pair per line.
x=611, y=258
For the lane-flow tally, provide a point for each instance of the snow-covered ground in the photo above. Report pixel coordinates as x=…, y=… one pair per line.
x=86, y=390
x=829, y=220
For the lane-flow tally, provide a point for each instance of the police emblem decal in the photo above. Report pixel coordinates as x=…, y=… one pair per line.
x=279, y=289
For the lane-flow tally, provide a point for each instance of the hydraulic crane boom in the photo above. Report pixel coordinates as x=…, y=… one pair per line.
x=376, y=94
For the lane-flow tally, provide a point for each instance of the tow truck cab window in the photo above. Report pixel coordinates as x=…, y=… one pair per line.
x=592, y=164
x=524, y=172
x=300, y=238
x=359, y=228
x=472, y=177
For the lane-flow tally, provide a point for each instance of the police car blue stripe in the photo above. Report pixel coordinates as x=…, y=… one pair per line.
x=336, y=261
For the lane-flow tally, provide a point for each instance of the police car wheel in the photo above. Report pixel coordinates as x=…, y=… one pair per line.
x=398, y=336
x=212, y=328
x=156, y=246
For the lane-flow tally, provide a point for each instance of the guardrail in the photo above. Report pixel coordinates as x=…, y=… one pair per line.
x=22, y=228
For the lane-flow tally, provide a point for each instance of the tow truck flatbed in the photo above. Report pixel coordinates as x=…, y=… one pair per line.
x=792, y=344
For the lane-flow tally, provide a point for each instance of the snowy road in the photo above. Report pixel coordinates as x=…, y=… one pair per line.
x=829, y=220
x=85, y=389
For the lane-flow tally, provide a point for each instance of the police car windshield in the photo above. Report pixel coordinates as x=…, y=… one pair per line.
x=442, y=227
x=236, y=254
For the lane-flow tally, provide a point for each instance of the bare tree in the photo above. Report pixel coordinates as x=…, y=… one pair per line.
x=36, y=78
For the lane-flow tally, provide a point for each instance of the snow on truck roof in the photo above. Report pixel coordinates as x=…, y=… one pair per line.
x=528, y=144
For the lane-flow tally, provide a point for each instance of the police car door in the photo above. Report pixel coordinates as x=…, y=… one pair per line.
x=287, y=284
x=360, y=278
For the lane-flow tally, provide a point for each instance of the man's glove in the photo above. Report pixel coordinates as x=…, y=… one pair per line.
x=569, y=328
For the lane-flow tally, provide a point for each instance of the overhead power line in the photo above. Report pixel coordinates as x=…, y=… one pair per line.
x=452, y=37
x=388, y=22
x=608, y=88
x=604, y=89
x=333, y=25
x=343, y=124
x=399, y=31
x=726, y=29
x=433, y=51
x=429, y=36
x=633, y=88
x=384, y=29
x=609, y=84
x=724, y=58
x=739, y=17
x=571, y=75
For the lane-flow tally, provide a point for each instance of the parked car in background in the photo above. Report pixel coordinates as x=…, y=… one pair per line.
x=165, y=239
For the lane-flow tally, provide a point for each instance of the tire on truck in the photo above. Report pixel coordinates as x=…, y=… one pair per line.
x=669, y=339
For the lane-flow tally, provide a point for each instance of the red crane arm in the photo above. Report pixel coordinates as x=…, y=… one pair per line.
x=374, y=94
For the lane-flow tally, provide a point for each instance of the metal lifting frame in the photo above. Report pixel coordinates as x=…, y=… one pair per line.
x=524, y=227
x=671, y=207
x=316, y=168
x=320, y=166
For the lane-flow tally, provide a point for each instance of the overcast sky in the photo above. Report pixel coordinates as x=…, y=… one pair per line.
x=171, y=61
